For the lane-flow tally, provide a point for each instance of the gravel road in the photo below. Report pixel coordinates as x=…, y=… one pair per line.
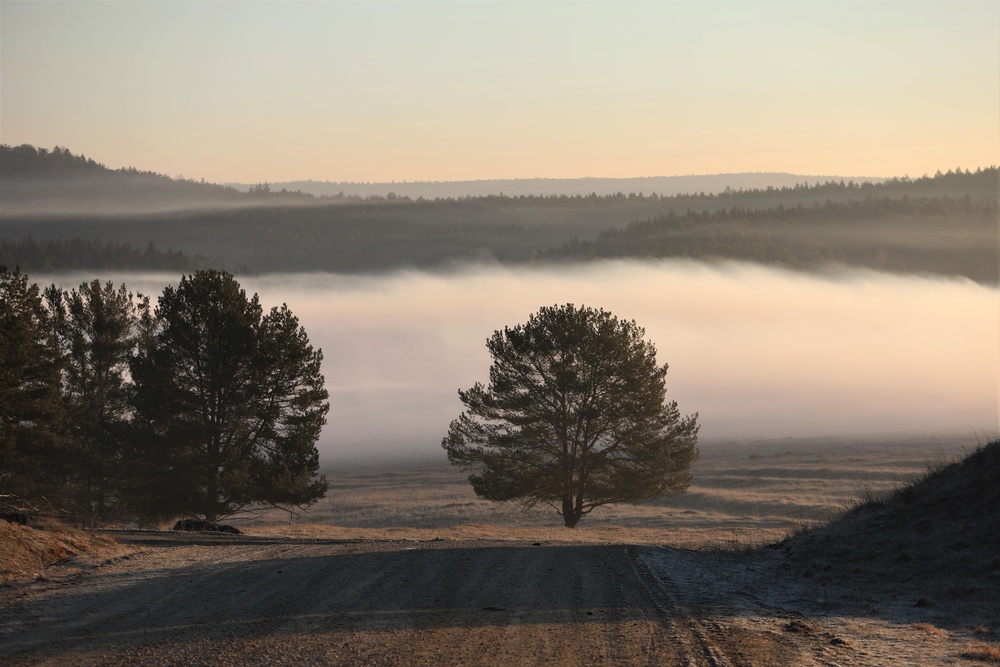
x=219, y=600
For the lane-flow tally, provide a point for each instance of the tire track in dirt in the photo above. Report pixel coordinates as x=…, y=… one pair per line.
x=720, y=617
x=688, y=633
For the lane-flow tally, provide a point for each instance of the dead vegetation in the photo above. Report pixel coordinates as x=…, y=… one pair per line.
x=743, y=496
x=983, y=652
x=26, y=550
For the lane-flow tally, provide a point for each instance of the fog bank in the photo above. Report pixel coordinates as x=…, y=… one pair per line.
x=758, y=352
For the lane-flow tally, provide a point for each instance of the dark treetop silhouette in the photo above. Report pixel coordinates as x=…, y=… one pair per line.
x=107, y=408
x=233, y=401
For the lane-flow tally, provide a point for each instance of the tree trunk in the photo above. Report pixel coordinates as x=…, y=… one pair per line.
x=571, y=512
x=212, y=496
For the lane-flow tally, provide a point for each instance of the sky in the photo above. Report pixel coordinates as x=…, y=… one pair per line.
x=425, y=90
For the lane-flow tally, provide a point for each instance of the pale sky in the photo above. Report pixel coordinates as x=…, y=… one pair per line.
x=481, y=89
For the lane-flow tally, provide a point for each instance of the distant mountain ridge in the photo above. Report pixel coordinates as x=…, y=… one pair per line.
x=39, y=179
x=57, y=208
x=661, y=185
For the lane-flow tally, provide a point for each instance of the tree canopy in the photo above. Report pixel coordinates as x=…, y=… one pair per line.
x=32, y=419
x=233, y=400
x=574, y=416
x=109, y=408
x=96, y=326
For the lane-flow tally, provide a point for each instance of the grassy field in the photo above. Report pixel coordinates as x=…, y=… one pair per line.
x=742, y=494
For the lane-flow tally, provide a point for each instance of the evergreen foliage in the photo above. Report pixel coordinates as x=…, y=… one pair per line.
x=574, y=416
x=97, y=327
x=32, y=418
x=918, y=234
x=110, y=409
x=232, y=400
x=74, y=254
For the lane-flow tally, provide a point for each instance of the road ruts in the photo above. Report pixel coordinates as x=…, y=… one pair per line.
x=314, y=602
x=694, y=646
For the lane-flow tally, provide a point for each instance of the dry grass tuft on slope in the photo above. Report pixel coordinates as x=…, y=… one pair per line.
x=984, y=653
x=26, y=550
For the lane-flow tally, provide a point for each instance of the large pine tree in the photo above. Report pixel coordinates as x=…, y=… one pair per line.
x=232, y=401
x=574, y=416
x=97, y=327
x=32, y=418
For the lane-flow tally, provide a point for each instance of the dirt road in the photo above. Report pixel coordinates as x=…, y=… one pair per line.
x=214, y=600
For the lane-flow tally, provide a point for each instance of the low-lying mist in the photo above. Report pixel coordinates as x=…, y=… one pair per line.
x=758, y=352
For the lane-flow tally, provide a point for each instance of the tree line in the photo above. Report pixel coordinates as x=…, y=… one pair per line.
x=203, y=405
x=941, y=235
x=73, y=254
x=870, y=225
x=111, y=409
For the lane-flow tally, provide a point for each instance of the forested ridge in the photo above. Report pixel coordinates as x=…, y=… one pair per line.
x=55, y=254
x=921, y=234
x=942, y=224
x=36, y=180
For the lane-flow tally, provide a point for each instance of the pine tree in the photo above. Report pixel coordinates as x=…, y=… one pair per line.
x=32, y=418
x=574, y=417
x=232, y=401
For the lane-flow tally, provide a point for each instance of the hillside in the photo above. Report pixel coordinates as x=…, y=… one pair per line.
x=931, y=548
x=945, y=224
x=940, y=235
x=38, y=181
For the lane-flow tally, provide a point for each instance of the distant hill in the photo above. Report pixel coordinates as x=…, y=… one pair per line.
x=661, y=185
x=945, y=224
x=41, y=181
x=944, y=235
x=32, y=177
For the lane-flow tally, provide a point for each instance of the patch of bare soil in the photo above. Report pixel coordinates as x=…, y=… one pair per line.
x=760, y=592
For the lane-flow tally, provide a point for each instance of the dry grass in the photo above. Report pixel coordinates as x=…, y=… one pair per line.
x=26, y=550
x=930, y=630
x=742, y=496
x=983, y=652
x=472, y=531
